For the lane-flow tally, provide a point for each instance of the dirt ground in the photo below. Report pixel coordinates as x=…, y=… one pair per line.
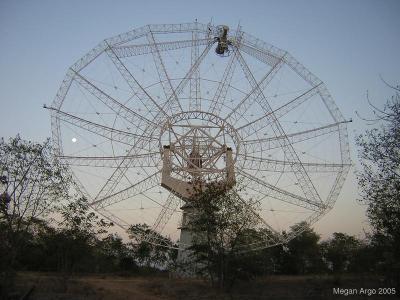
x=50, y=286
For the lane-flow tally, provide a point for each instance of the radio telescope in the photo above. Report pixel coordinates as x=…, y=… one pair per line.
x=147, y=114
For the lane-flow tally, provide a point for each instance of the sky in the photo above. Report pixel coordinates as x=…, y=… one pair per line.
x=347, y=44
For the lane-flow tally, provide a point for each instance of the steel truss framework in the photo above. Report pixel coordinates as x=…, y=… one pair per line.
x=238, y=101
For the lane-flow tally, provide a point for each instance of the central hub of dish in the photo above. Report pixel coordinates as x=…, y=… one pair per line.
x=198, y=148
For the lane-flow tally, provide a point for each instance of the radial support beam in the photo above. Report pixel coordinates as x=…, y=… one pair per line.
x=169, y=91
x=149, y=160
x=192, y=70
x=109, y=133
x=266, y=120
x=117, y=107
x=223, y=86
x=112, y=182
x=129, y=192
x=261, y=145
x=271, y=165
x=143, y=96
x=120, y=171
x=269, y=190
x=195, y=97
x=302, y=177
x=256, y=91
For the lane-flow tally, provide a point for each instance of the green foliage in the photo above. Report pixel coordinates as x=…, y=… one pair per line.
x=112, y=255
x=159, y=254
x=379, y=179
x=340, y=251
x=76, y=237
x=364, y=258
x=31, y=181
x=302, y=254
x=30, y=184
x=79, y=220
x=221, y=224
x=77, y=244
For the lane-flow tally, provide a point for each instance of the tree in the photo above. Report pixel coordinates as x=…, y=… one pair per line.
x=160, y=254
x=379, y=178
x=31, y=181
x=114, y=255
x=221, y=224
x=72, y=245
x=76, y=244
x=303, y=253
x=76, y=237
x=364, y=257
x=340, y=251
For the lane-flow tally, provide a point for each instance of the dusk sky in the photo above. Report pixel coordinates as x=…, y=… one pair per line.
x=347, y=44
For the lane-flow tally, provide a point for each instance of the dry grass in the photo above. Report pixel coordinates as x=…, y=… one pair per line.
x=51, y=286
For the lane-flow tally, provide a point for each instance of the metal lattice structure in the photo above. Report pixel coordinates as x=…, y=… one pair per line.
x=203, y=90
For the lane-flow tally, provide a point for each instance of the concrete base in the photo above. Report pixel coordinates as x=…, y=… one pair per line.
x=184, y=259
